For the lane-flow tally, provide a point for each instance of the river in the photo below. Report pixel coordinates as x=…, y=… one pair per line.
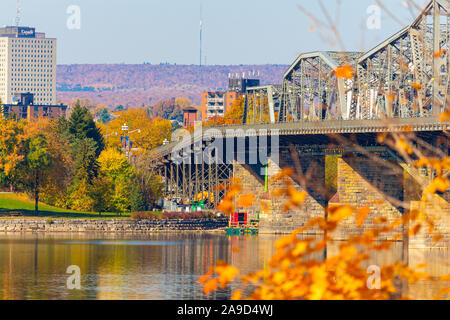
x=161, y=267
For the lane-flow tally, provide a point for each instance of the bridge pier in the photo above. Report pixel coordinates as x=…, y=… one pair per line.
x=377, y=180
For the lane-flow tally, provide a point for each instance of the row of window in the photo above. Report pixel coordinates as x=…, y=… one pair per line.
x=29, y=70
x=33, y=41
x=32, y=60
x=37, y=82
x=28, y=89
x=33, y=65
x=31, y=56
x=28, y=51
x=48, y=71
x=16, y=45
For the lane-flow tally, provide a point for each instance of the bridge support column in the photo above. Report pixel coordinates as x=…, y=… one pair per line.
x=273, y=217
x=363, y=182
x=385, y=187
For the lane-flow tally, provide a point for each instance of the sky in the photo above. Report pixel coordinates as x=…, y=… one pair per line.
x=234, y=31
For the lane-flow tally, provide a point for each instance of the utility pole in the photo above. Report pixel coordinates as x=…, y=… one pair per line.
x=201, y=31
x=18, y=13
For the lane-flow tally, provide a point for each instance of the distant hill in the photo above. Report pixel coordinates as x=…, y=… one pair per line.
x=146, y=84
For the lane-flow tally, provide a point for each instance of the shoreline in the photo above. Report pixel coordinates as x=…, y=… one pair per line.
x=105, y=225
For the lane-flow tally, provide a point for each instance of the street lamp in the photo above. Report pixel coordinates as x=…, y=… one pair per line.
x=114, y=133
x=137, y=130
x=127, y=146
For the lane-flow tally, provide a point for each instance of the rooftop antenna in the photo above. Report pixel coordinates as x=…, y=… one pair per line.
x=201, y=31
x=18, y=13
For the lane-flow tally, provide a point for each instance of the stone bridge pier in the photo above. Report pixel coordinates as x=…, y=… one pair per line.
x=373, y=177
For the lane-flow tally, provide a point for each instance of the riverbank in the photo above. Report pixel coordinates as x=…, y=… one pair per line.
x=110, y=225
x=15, y=204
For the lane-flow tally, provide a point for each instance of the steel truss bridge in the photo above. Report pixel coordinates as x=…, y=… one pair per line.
x=400, y=85
x=405, y=76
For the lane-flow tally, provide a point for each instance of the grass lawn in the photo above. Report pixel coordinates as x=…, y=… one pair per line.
x=18, y=203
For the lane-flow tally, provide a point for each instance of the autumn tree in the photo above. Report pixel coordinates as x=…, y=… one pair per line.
x=171, y=109
x=114, y=167
x=59, y=179
x=101, y=113
x=236, y=111
x=151, y=134
x=148, y=187
x=12, y=148
x=38, y=162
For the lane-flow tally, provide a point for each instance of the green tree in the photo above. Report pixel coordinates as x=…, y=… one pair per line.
x=38, y=161
x=138, y=203
x=86, y=165
x=104, y=116
x=102, y=193
x=82, y=126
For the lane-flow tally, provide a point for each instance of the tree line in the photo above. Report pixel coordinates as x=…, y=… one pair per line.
x=71, y=164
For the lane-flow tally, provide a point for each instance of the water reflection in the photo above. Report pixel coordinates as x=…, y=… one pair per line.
x=151, y=267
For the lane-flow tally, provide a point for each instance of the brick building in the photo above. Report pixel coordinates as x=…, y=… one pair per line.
x=189, y=117
x=217, y=103
x=26, y=109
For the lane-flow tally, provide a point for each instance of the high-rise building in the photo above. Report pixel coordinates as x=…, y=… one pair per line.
x=27, y=65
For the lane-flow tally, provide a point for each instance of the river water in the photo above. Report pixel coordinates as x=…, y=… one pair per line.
x=163, y=266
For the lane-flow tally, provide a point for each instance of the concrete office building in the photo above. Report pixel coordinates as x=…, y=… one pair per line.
x=27, y=65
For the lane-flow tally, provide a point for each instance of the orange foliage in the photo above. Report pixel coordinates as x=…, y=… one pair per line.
x=152, y=133
x=345, y=72
x=293, y=274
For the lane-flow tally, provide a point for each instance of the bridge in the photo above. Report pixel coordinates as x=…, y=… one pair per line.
x=325, y=121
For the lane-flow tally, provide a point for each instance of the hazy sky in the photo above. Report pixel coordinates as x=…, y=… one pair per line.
x=235, y=31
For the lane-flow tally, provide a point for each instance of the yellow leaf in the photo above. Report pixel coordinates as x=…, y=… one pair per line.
x=226, y=274
x=362, y=215
x=279, y=277
x=283, y=242
x=439, y=184
x=210, y=286
x=339, y=213
x=345, y=72
x=296, y=197
x=440, y=53
x=416, y=86
x=445, y=116
x=246, y=200
x=445, y=277
x=415, y=230
x=402, y=145
x=299, y=248
x=237, y=295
